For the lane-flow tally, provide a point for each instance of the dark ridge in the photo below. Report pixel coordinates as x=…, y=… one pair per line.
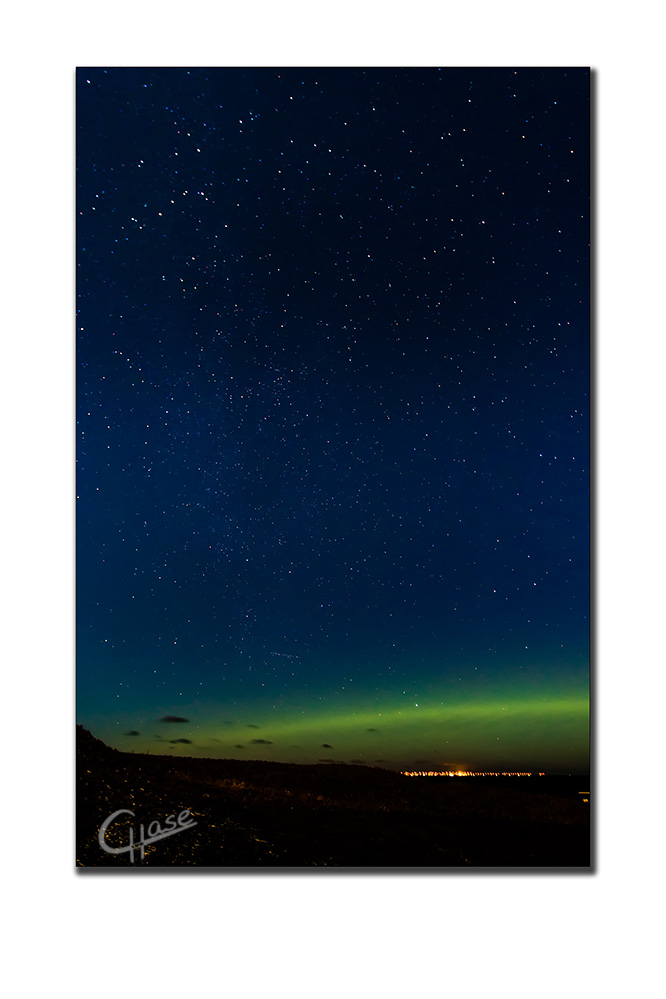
x=88, y=745
x=252, y=813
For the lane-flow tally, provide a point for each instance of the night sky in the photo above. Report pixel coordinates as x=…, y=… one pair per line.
x=333, y=414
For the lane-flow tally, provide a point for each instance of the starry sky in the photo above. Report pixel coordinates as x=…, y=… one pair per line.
x=333, y=350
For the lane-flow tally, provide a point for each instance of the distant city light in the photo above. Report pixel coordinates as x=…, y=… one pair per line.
x=467, y=773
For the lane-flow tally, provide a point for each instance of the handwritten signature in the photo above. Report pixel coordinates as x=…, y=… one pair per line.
x=155, y=832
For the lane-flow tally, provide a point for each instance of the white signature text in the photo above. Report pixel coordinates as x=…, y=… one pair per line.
x=155, y=832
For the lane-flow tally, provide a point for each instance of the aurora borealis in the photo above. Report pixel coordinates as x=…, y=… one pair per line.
x=333, y=414
x=507, y=732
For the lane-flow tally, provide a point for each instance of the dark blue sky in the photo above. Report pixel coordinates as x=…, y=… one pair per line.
x=333, y=411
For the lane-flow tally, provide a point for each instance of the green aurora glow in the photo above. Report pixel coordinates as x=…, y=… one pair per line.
x=500, y=732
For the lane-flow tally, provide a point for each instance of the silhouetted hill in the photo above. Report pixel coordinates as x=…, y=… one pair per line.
x=263, y=814
x=89, y=747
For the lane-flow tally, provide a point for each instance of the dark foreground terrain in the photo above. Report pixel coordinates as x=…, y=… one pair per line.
x=272, y=815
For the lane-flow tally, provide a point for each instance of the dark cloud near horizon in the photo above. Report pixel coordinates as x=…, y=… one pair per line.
x=173, y=718
x=326, y=745
x=261, y=742
x=239, y=746
x=371, y=730
x=174, y=741
x=133, y=732
x=250, y=725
